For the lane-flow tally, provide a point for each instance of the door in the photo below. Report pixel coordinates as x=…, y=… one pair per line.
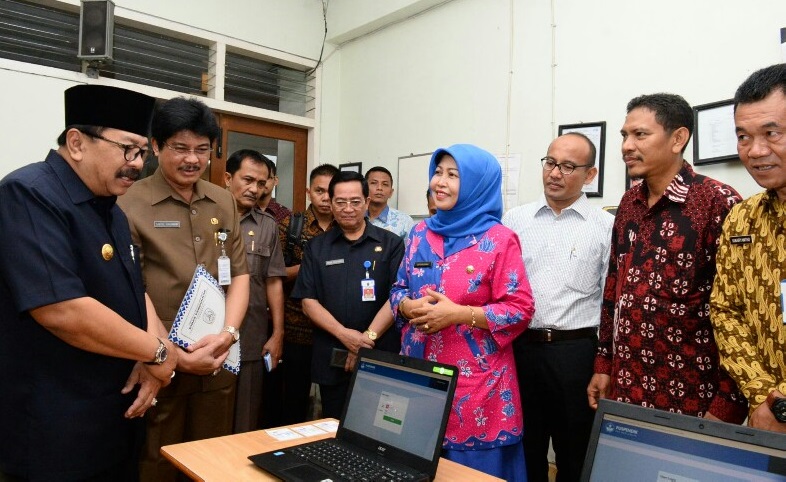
x=285, y=145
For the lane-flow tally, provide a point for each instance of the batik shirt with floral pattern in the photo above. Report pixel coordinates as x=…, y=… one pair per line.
x=656, y=339
x=487, y=271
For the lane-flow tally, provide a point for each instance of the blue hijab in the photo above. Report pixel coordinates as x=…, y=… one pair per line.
x=479, y=204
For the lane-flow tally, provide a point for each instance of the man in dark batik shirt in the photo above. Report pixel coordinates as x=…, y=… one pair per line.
x=656, y=346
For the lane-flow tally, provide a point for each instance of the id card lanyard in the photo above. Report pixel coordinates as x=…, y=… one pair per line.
x=224, y=266
x=367, y=289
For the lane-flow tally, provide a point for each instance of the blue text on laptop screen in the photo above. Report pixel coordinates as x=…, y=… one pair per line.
x=398, y=406
x=631, y=450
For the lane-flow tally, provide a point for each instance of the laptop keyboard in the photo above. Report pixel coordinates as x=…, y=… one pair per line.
x=348, y=464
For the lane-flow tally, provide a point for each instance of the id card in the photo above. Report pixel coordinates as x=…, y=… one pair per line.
x=224, y=271
x=367, y=290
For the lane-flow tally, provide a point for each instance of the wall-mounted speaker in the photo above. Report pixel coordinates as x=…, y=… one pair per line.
x=96, y=28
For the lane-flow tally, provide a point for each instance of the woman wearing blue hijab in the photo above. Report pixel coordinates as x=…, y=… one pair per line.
x=461, y=298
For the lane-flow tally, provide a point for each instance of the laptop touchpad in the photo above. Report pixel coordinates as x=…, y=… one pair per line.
x=306, y=473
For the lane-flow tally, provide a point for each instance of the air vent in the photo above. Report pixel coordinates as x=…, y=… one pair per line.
x=158, y=60
x=39, y=35
x=257, y=83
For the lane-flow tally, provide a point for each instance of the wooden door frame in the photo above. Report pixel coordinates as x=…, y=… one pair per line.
x=297, y=135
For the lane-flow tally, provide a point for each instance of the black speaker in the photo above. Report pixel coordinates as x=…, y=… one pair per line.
x=96, y=28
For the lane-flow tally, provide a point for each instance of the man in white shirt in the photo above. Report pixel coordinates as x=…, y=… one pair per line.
x=565, y=244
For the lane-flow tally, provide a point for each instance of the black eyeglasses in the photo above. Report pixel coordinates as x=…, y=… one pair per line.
x=130, y=151
x=565, y=167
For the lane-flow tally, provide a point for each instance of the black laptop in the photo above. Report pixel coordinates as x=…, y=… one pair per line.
x=392, y=427
x=630, y=442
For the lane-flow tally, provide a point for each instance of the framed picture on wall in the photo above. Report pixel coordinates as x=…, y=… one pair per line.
x=714, y=137
x=352, y=166
x=596, y=132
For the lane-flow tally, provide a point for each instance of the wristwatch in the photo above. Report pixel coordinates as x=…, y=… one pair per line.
x=777, y=406
x=232, y=331
x=161, y=354
x=372, y=335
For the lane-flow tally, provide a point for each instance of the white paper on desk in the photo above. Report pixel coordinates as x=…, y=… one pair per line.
x=201, y=313
x=329, y=426
x=309, y=430
x=282, y=434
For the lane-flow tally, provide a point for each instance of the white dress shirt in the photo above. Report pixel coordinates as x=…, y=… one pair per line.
x=566, y=257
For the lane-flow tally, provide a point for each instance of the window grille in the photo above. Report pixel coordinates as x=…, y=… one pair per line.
x=39, y=35
x=257, y=83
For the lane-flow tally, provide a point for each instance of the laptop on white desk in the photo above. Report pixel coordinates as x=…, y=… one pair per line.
x=395, y=416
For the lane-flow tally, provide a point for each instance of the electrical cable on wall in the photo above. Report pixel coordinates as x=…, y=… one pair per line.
x=324, y=38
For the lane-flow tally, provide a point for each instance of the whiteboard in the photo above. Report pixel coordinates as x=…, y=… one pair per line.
x=412, y=184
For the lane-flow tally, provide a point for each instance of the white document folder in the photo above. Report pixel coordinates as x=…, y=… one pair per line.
x=201, y=313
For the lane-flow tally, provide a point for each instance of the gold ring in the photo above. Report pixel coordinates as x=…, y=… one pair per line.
x=425, y=327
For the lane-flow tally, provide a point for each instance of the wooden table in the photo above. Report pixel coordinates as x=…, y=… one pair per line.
x=222, y=459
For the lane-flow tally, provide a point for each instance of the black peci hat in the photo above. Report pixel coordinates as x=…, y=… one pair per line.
x=113, y=107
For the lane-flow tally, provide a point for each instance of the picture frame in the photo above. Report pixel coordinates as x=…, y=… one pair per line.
x=351, y=166
x=596, y=132
x=714, y=136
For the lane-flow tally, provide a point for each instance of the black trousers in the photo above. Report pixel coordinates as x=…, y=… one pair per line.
x=553, y=379
x=287, y=389
x=333, y=398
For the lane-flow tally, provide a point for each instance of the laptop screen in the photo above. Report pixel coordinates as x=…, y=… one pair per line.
x=635, y=443
x=400, y=406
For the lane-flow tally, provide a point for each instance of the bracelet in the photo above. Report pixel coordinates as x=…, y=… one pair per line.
x=472, y=312
x=401, y=308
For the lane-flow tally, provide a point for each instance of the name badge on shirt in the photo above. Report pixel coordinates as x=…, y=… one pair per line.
x=367, y=290
x=423, y=264
x=741, y=239
x=166, y=224
x=333, y=262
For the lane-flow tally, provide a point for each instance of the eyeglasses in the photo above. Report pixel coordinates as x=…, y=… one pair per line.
x=130, y=151
x=564, y=167
x=201, y=152
x=343, y=203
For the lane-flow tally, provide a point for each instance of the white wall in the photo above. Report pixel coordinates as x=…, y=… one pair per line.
x=293, y=26
x=442, y=77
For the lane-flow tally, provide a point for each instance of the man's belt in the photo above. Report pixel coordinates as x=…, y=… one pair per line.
x=547, y=335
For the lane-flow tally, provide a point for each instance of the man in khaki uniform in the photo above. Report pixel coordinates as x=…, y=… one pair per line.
x=246, y=176
x=176, y=218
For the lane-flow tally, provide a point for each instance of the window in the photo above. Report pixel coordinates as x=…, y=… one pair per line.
x=39, y=35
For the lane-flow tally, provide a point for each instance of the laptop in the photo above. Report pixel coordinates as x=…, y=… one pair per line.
x=630, y=442
x=394, y=418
